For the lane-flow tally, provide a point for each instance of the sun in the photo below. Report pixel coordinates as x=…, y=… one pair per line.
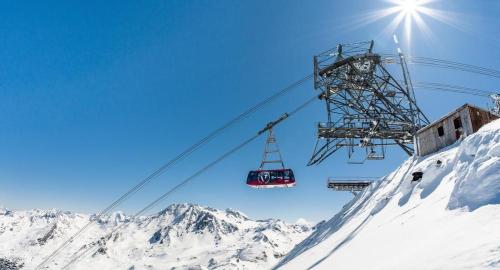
x=409, y=6
x=411, y=10
x=409, y=14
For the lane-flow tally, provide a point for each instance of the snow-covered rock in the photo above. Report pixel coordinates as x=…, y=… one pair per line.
x=10, y=264
x=450, y=219
x=183, y=236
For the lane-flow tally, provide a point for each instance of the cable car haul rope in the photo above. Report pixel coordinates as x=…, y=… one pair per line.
x=266, y=178
x=165, y=195
x=190, y=150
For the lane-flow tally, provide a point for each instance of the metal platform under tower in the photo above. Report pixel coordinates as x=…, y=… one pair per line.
x=351, y=184
x=367, y=106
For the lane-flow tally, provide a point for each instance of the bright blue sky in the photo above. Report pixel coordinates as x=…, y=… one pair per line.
x=94, y=96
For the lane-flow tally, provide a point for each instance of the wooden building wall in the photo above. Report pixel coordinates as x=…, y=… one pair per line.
x=428, y=139
x=471, y=118
x=480, y=118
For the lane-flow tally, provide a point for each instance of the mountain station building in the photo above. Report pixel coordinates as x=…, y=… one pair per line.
x=448, y=129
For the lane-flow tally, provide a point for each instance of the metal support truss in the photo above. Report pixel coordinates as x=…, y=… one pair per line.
x=367, y=107
x=271, y=152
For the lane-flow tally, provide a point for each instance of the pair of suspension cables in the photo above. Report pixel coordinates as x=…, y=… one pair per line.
x=445, y=64
x=92, y=248
x=190, y=150
x=453, y=89
x=430, y=62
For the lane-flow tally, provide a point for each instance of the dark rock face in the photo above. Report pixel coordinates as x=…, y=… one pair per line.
x=49, y=235
x=236, y=214
x=192, y=219
x=10, y=264
x=212, y=224
x=156, y=237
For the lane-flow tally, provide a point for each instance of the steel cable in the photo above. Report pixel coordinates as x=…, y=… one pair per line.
x=440, y=63
x=174, y=161
x=181, y=184
x=453, y=88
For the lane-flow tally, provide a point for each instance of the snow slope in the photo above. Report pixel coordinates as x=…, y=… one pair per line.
x=183, y=236
x=448, y=220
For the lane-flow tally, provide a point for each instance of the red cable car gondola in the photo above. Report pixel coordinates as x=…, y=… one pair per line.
x=271, y=178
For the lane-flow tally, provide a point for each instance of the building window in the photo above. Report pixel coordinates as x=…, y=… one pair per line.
x=457, y=122
x=441, y=131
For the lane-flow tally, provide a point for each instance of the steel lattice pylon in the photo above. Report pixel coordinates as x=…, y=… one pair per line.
x=366, y=106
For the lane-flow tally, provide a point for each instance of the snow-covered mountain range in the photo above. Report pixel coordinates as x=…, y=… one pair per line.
x=183, y=236
x=450, y=219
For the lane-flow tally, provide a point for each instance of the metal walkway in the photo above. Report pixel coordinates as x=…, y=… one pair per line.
x=351, y=184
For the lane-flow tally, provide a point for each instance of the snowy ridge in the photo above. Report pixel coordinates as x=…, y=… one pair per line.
x=183, y=236
x=448, y=220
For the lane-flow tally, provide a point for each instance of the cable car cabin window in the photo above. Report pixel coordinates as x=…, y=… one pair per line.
x=457, y=122
x=441, y=131
x=252, y=175
x=286, y=175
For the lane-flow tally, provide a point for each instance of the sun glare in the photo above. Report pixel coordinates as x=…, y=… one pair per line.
x=409, y=6
x=409, y=13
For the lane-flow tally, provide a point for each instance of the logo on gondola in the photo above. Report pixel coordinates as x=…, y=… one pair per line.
x=264, y=177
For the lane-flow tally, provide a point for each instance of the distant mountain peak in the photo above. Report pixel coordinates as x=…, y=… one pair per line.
x=4, y=211
x=182, y=236
x=236, y=214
